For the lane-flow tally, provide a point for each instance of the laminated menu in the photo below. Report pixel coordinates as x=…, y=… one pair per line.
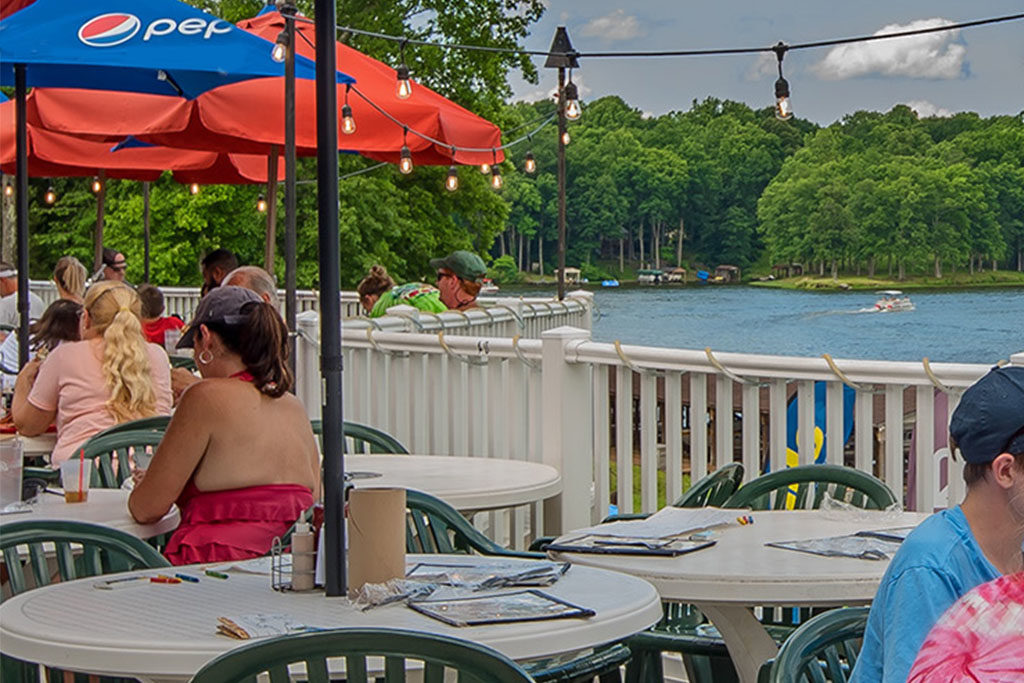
x=854, y=545
x=527, y=605
x=486, y=574
x=622, y=545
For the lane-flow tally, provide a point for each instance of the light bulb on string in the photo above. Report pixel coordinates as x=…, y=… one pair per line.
x=572, y=101
x=565, y=138
x=51, y=195
x=96, y=185
x=261, y=204
x=405, y=160
x=529, y=165
x=404, y=90
x=451, y=183
x=485, y=168
x=783, y=107
x=497, y=182
x=8, y=190
x=280, y=49
x=348, y=124
x=194, y=188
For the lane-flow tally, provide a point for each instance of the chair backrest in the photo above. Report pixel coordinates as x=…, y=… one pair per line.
x=824, y=648
x=805, y=486
x=434, y=526
x=80, y=549
x=157, y=423
x=713, y=489
x=111, y=455
x=439, y=654
x=362, y=438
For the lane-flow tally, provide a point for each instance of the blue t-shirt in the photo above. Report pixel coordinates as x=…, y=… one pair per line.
x=937, y=563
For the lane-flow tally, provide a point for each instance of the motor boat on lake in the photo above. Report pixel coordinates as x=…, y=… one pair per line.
x=488, y=286
x=891, y=301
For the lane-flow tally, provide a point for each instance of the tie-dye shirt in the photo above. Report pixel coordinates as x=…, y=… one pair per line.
x=422, y=296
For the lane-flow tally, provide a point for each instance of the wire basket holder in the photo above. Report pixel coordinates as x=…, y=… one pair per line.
x=280, y=566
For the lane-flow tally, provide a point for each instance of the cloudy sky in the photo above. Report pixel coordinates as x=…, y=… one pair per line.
x=979, y=69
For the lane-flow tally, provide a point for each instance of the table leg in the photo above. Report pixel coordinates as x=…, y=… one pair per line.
x=745, y=637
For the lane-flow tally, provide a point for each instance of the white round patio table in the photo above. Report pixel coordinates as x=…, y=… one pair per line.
x=161, y=632
x=108, y=507
x=35, y=446
x=464, y=483
x=740, y=571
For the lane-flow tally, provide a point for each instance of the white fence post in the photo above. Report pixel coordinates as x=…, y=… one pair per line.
x=567, y=432
x=307, y=362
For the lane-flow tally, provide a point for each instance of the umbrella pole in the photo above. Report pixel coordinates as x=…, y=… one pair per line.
x=271, y=235
x=330, y=293
x=21, y=184
x=101, y=199
x=289, y=187
x=145, y=231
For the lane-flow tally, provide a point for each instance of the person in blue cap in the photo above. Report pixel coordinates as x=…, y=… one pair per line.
x=956, y=549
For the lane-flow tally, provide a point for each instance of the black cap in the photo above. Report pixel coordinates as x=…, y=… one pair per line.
x=990, y=417
x=222, y=305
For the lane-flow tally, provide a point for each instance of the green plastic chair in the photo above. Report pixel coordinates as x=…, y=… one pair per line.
x=824, y=648
x=439, y=654
x=365, y=439
x=433, y=526
x=105, y=450
x=186, y=362
x=712, y=490
x=157, y=423
x=79, y=550
x=805, y=486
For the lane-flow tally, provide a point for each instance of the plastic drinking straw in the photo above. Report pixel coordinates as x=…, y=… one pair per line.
x=81, y=471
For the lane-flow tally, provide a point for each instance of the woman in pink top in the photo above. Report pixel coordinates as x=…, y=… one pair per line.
x=113, y=375
x=239, y=457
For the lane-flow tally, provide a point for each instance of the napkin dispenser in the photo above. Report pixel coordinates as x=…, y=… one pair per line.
x=376, y=536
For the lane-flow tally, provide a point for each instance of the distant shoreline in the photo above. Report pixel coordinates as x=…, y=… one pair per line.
x=981, y=280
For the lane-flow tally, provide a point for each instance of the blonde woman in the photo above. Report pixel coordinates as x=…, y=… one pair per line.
x=70, y=275
x=113, y=375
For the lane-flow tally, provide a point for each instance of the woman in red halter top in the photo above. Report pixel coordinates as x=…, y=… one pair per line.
x=239, y=457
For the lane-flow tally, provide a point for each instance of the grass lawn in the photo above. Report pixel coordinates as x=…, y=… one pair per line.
x=662, y=500
x=988, y=278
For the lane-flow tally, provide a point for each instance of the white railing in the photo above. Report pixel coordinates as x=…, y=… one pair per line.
x=557, y=400
x=527, y=317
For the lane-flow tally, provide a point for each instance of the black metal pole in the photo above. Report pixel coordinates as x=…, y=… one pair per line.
x=101, y=205
x=145, y=231
x=21, y=186
x=561, y=183
x=270, y=246
x=289, y=186
x=330, y=295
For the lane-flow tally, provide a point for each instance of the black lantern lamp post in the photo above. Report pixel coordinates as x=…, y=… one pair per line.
x=562, y=56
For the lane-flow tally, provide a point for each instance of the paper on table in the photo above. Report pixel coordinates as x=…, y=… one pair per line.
x=853, y=545
x=257, y=565
x=670, y=521
x=246, y=626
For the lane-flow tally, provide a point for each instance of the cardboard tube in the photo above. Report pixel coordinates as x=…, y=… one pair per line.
x=376, y=527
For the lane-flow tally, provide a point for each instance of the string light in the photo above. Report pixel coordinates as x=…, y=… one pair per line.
x=451, y=183
x=280, y=49
x=404, y=91
x=783, y=107
x=405, y=156
x=8, y=189
x=529, y=165
x=261, y=204
x=485, y=168
x=565, y=138
x=348, y=124
x=497, y=182
x=51, y=195
x=194, y=188
x=572, y=100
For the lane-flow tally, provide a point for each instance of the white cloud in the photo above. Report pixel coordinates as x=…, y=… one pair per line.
x=930, y=55
x=615, y=26
x=551, y=93
x=925, y=109
x=766, y=64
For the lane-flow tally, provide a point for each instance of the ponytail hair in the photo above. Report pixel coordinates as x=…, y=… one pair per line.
x=70, y=274
x=375, y=283
x=114, y=312
x=261, y=339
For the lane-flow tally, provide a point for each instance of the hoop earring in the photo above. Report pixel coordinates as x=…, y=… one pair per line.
x=205, y=357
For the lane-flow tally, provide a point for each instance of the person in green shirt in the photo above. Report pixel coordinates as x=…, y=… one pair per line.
x=378, y=292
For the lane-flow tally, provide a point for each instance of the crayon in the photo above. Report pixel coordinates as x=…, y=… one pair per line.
x=163, y=579
x=186, y=577
x=216, y=575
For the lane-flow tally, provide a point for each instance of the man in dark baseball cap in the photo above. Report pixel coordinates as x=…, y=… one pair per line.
x=458, y=278
x=959, y=548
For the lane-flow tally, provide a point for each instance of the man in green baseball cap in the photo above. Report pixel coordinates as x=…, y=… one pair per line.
x=458, y=278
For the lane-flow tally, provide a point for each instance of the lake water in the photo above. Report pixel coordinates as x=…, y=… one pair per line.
x=973, y=326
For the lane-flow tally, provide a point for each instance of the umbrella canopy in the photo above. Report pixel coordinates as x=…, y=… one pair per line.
x=153, y=46
x=249, y=117
x=55, y=155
